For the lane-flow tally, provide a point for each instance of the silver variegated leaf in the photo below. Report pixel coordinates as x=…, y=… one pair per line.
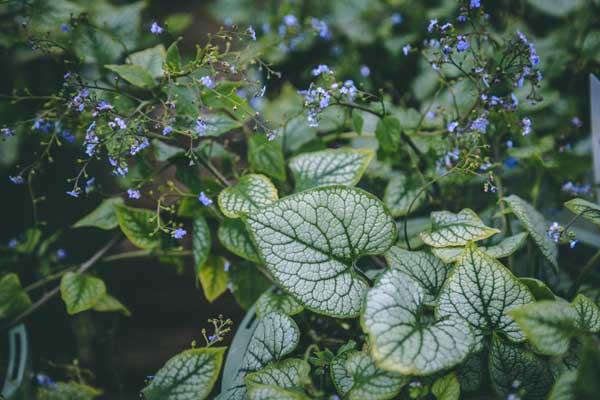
x=288, y=373
x=588, y=313
x=251, y=193
x=503, y=249
x=586, y=209
x=481, y=290
x=271, y=392
x=271, y=301
x=311, y=240
x=400, y=193
x=449, y=229
x=405, y=340
x=329, y=167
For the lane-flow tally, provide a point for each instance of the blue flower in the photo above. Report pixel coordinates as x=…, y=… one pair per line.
x=207, y=81
x=7, y=132
x=74, y=193
x=321, y=69
x=138, y=146
x=432, y=24
x=577, y=122
x=396, y=19
x=12, y=243
x=461, y=18
x=61, y=254
x=554, y=232
x=321, y=27
x=133, y=194
x=480, y=124
x=156, y=29
x=201, y=127
x=462, y=44
x=103, y=106
x=167, y=130
x=43, y=125
x=204, y=199
x=573, y=243
x=226, y=266
x=44, y=380
x=452, y=126
x=89, y=185
x=475, y=4
x=526, y=126
x=17, y=179
x=179, y=233
x=66, y=134
x=510, y=162
x=290, y=20
x=118, y=122
x=65, y=28
x=406, y=49
x=365, y=71
x=251, y=32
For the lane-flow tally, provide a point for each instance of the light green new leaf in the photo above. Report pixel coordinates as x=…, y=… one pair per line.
x=201, y=242
x=565, y=387
x=270, y=301
x=588, y=313
x=538, y=288
x=275, y=336
x=536, y=225
x=80, y=292
x=311, y=240
x=480, y=290
x=449, y=229
x=402, y=338
x=213, y=278
x=503, y=249
x=151, y=60
x=329, y=167
x=514, y=369
x=586, y=208
x=361, y=379
x=103, y=216
x=549, y=325
x=67, y=391
x=399, y=194
x=251, y=193
x=288, y=373
x=189, y=375
x=446, y=388
x=428, y=270
x=108, y=303
x=134, y=74
x=266, y=156
x=173, y=59
x=13, y=299
x=138, y=225
x=234, y=236
x=270, y=392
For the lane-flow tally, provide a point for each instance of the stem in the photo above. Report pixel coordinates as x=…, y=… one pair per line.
x=587, y=269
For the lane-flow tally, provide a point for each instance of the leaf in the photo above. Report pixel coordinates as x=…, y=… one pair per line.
x=549, y=325
x=271, y=301
x=361, y=379
x=480, y=290
x=429, y=271
x=288, y=373
x=270, y=392
x=514, y=369
x=213, y=277
x=587, y=209
x=189, y=375
x=13, y=299
x=163, y=151
x=329, y=167
x=565, y=387
x=538, y=288
x=556, y=8
x=68, y=391
x=266, y=156
x=388, y=133
x=247, y=284
x=310, y=241
x=151, y=60
x=108, y=303
x=178, y=22
x=134, y=74
x=535, y=224
x=173, y=59
x=103, y=216
x=469, y=373
x=234, y=236
x=449, y=229
x=588, y=314
x=446, y=388
x=405, y=340
x=201, y=243
x=138, y=224
x=80, y=292
x=399, y=193
x=276, y=335
x=250, y=194
x=503, y=249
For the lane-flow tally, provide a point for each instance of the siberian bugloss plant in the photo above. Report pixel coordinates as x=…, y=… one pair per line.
x=390, y=236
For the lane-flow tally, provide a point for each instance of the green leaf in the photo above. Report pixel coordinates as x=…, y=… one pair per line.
x=359, y=378
x=247, y=284
x=173, y=59
x=565, y=387
x=276, y=335
x=271, y=301
x=480, y=290
x=151, y=60
x=388, y=133
x=103, y=216
x=134, y=74
x=138, y=224
x=270, y=392
x=178, y=22
x=189, y=375
x=549, y=325
x=469, y=373
x=402, y=337
x=80, y=292
x=108, y=303
x=503, y=249
x=426, y=269
x=449, y=229
x=217, y=124
x=536, y=225
x=201, y=242
x=288, y=373
x=266, y=156
x=329, y=167
x=400, y=193
x=13, y=299
x=68, y=391
x=213, y=277
x=446, y=388
x=514, y=369
x=251, y=193
x=164, y=151
x=586, y=208
x=556, y=8
x=538, y=288
x=588, y=314
x=234, y=236
x=311, y=240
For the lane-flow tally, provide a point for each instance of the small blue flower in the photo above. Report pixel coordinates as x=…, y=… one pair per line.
x=204, y=199
x=61, y=254
x=461, y=18
x=577, y=122
x=554, y=232
x=45, y=380
x=138, y=146
x=452, y=126
x=201, y=127
x=118, y=122
x=251, y=32
x=406, y=49
x=65, y=28
x=17, y=179
x=43, y=125
x=156, y=29
x=226, y=266
x=66, y=134
x=290, y=20
x=573, y=243
x=321, y=69
x=89, y=185
x=179, y=233
x=74, y=193
x=207, y=81
x=12, y=243
x=462, y=45
x=475, y=4
x=103, y=106
x=480, y=124
x=321, y=27
x=133, y=194
x=510, y=162
x=167, y=130
x=509, y=144
x=526, y=126
x=365, y=71
x=396, y=19
x=432, y=24
x=7, y=132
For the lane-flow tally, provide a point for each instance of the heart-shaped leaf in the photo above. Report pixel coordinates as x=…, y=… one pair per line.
x=480, y=290
x=271, y=301
x=565, y=387
x=402, y=337
x=428, y=270
x=446, y=388
x=311, y=240
x=588, y=313
x=134, y=74
x=288, y=373
x=213, y=278
x=359, y=378
x=103, y=216
x=400, y=193
x=201, y=242
x=449, y=229
x=587, y=209
x=189, y=375
x=109, y=303
x=80, y=292
x=265, y=156
x=536, y=225
x=234, y=236
x=138, y=224
x=251, y=193
x=13, y=299
x=329, y=167
x=503, y=249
